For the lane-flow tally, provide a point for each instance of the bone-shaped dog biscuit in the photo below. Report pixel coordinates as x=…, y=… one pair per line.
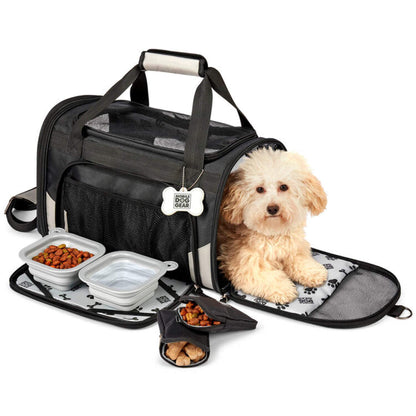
x=182, y=200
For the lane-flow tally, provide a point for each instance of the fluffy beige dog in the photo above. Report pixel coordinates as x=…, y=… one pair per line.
x=261, y=241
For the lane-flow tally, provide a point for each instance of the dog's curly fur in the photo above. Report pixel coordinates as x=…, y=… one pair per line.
x=262, y=252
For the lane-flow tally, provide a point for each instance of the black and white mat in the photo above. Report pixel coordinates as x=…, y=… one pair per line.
x=79, y=297
x=310, y=298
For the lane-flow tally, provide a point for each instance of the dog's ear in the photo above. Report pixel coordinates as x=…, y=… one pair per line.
x=232, y=201
x=315, y=195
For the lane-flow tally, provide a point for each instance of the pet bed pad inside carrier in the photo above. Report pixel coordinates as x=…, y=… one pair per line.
x=355, y=294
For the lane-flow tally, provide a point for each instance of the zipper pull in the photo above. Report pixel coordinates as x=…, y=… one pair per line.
x=197, y=290
x=225, y=297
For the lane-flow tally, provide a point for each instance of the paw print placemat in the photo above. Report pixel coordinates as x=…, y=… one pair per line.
x=168, y=291
x=311, y=298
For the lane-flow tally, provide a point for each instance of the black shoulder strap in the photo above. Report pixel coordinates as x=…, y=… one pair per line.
x=26, y=201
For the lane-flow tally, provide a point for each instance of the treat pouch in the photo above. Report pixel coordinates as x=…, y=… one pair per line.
x=173, y=331
x=231, y=318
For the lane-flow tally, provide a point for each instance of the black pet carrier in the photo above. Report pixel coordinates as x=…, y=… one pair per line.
x=103, y=168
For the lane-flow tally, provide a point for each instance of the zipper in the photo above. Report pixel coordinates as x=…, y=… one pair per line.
x=225, y=175
x=163, y=150
x=43, y=147
x=59, y=212
x=152, y=112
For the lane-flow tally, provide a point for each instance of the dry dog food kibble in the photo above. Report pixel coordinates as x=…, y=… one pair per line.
x=194, y=315
x=62, y=257
x=184, y=353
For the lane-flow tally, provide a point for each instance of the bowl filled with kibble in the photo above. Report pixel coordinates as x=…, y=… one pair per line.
x=195, y=316
x=57, y=258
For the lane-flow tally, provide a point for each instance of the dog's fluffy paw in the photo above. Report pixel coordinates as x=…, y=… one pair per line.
x=283, y=291
x=313, y=275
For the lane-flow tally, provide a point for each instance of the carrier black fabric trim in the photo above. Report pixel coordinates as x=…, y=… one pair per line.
x=194, y=247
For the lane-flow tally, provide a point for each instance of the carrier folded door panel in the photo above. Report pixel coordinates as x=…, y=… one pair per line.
x=363, y=297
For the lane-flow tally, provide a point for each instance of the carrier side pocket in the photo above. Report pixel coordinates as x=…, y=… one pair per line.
x=122, y=223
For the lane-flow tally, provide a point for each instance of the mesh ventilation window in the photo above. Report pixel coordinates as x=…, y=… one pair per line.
x=161, y=128
x=124, y=224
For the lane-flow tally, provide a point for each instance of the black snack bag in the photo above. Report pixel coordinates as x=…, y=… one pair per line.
x=231, y=319
x=172, y=331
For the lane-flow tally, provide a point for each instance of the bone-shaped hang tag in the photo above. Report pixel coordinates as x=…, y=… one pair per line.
x=182, y=200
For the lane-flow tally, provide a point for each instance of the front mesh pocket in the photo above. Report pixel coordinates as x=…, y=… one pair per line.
x=124, y=224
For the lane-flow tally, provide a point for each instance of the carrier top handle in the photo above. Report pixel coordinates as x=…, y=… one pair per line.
x=201, y=110
x=180, y=63
x=173, y=62
x=165, y=61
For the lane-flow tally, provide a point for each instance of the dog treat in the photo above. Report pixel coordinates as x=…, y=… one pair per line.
x=193, y=314
x=184, y=353
x=62, y=257
x=183, y=360
x=194, y=353
x=174, y=348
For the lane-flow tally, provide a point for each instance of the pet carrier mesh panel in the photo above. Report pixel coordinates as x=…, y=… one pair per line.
x=103, y=164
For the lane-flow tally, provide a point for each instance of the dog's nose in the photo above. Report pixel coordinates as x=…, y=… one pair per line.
x=273, y=209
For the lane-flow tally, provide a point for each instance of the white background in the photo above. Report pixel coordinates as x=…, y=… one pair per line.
x=336, y=82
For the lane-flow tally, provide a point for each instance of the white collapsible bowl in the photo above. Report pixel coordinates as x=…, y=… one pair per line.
x=123, y=279
x=64, y=279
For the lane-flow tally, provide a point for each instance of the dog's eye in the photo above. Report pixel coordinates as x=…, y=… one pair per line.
x=260, y=189
x=283, y=188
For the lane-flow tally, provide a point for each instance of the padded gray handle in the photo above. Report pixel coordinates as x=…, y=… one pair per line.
x=173, y=62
